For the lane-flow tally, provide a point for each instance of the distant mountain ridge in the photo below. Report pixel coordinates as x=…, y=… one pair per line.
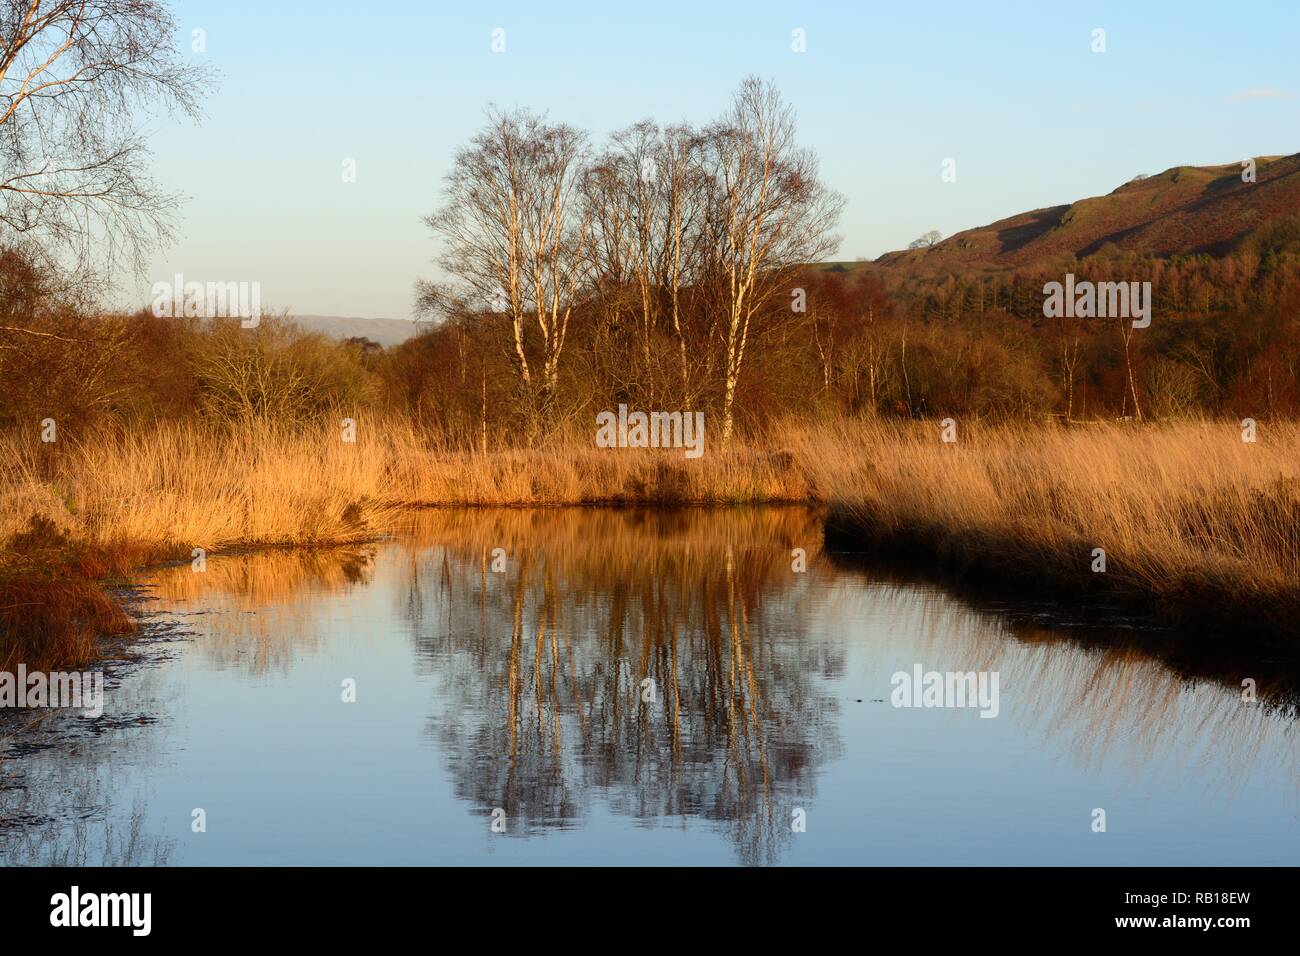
x=387, y=332
x=1181, y=211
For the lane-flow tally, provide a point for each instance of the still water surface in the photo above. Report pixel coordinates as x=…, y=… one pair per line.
x=524, y=691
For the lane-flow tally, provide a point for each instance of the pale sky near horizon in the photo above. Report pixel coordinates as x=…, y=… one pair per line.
x=884, y=93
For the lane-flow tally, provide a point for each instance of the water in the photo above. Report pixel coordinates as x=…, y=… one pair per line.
x=521, y=691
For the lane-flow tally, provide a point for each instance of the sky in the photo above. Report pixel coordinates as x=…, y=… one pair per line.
x=885, y=93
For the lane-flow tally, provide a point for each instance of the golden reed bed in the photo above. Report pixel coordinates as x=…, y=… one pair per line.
x=1191, y=518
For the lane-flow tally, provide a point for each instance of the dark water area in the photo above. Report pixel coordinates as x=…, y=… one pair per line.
x=572, y=686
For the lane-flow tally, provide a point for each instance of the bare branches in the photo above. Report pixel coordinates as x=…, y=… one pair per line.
x=770, y=211
x=647, y=195
x=73, y=180
x=669, y=236
x=47, y=335
x=514, y=231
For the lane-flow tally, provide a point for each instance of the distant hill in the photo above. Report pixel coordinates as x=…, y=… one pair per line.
x=386, y=332
x=1181, y=211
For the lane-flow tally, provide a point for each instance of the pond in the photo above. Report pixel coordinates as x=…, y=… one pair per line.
x=696, y=686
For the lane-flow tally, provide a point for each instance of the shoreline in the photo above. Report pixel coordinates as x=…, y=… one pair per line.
x=1197, y=529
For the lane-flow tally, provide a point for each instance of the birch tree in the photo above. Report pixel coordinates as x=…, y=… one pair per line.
x=684, y=191
x=74, y=185
x=771, y=215
x=647, y=199
x=514, y=232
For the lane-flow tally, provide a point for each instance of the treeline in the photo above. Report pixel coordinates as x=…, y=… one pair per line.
x=669, y=269
x=82, y=368
x=1224, y=337
x=858, y=346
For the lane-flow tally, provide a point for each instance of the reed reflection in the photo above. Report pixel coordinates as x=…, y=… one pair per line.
x=1108, y=698
x=260, y=610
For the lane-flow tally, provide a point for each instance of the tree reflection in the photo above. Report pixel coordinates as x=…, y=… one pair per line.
x=632, y=655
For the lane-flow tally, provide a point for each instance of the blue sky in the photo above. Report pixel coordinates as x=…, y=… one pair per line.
x=884, y=92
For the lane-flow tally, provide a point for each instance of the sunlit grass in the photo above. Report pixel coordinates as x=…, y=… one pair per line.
x=1187, y=513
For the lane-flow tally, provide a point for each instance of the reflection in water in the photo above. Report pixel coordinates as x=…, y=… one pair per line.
x=661, y=670
x=62, y=802
x=79, y=836
x=261, y=609
x=1101, y=696
x=633, y=674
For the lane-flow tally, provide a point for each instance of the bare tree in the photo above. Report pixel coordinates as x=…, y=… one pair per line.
x=1068, y=332
x=1131, y=392
x=73, y=184
x=667, y=227
x=646, y=201
x=608, y=252
x=770, y=215
x=685, y=192
x=514, y=231
x=931, y=238
x=637, y=146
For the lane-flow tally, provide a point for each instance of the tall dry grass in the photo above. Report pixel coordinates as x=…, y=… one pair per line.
x=176, y=487
x=1188, y=515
